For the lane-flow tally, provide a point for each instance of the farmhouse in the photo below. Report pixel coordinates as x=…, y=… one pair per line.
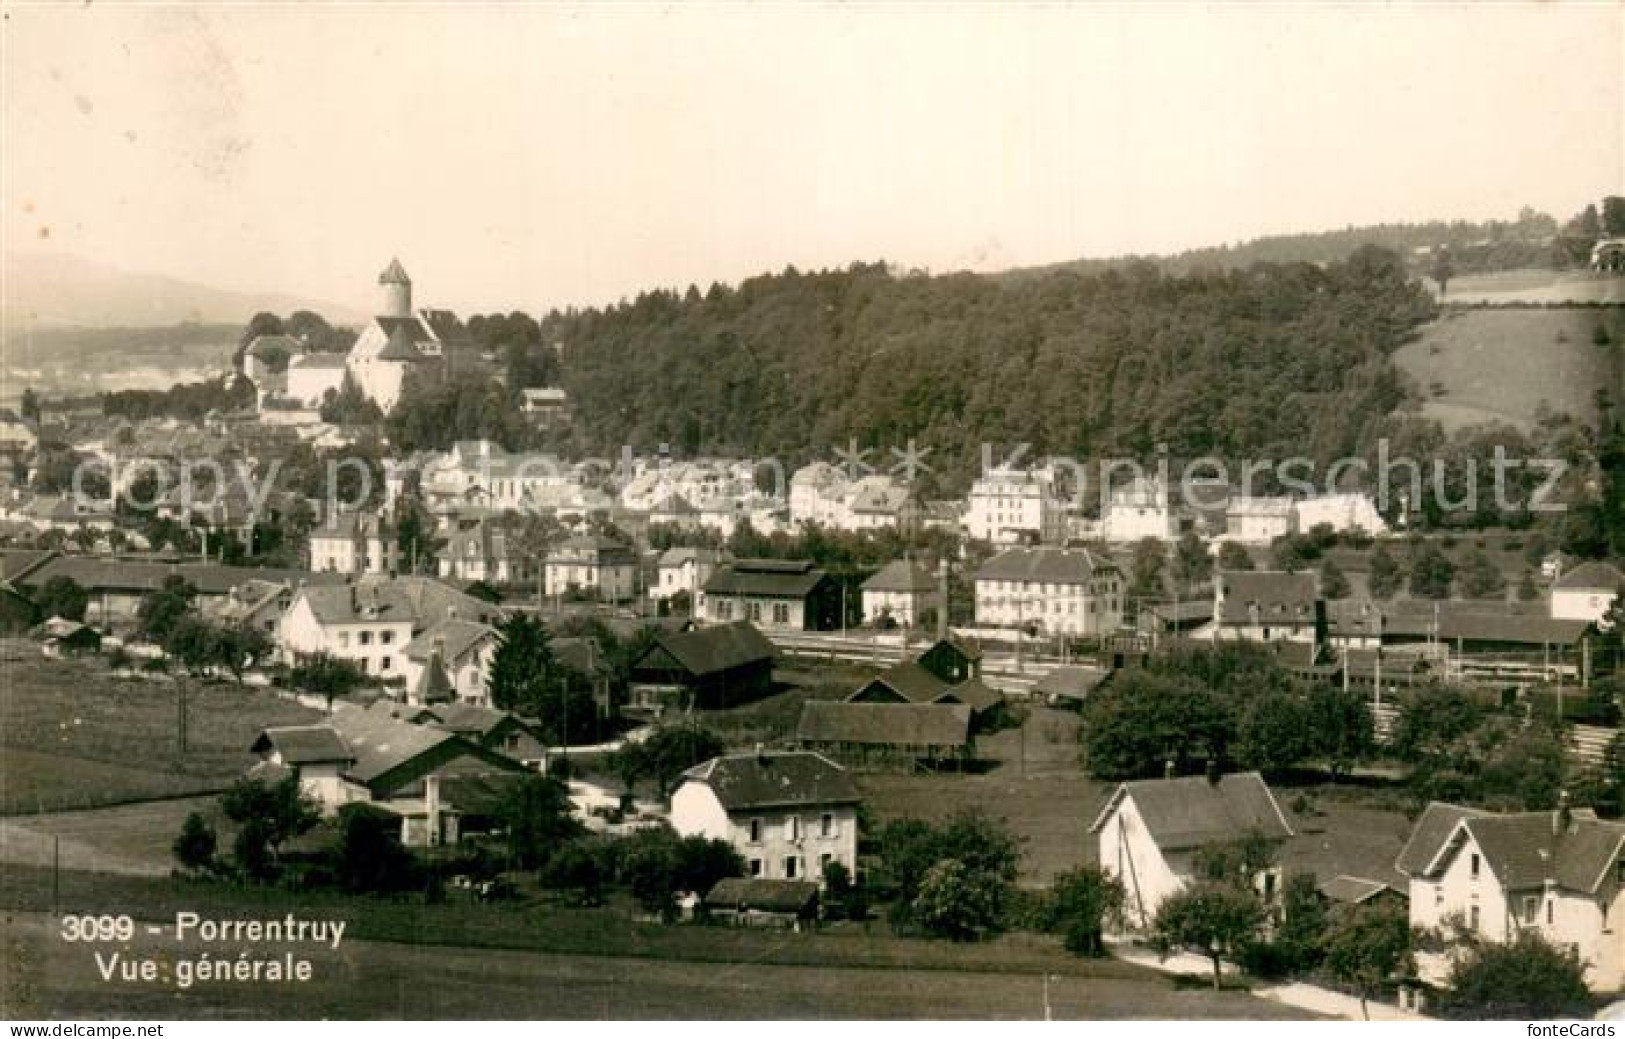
x=1070, y=685
x=370, y=756
x=1151, y=830
x=706, y=668
x=1559, y=873
x=789, y=814
x=372, y=619
x=791, y=595
x=895, y=733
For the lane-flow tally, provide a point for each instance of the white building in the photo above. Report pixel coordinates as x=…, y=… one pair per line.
x=685, y=570
x=902, y=590
x=1150, y=831
x=788, y=814
x=1342, y=512
x=1068, y=591
x=1138, y=510
x=311, y=377
x=593, y=566
x=400, y=339
x=1587, y=592
x=1266, y=606
x=1009, y=506
x=1259, y=521
x=462, y=650
x=1560, y=874
x=354, y=543
x=372, y=619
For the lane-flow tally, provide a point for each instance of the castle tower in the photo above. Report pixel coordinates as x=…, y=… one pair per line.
x=397, y=297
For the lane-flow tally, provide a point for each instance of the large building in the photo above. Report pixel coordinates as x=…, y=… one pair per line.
x=1139, y=509
x=400, y=340
x=1068, y=591
x=787, y=595
x=1011, y=506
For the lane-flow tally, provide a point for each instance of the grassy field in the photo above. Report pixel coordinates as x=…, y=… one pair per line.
x=468, y=960
x=72, y=736
x=1532, y=285
x=1476, y=366
x=129, y=838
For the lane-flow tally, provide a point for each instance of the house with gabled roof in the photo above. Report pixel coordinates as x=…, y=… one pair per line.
x=1268, y=606
x=1069, y=591
x=1151, y=830
x=593, y=565
x=909, y=681
x=901, y=591
x=1587, y=592
x=401, y=339
x=349, y=542
x=789, y=814
x=370, y=620
x=718, y=666
x=461, y=650
x=1492, y=875
x=372, y=756
x=781, y=594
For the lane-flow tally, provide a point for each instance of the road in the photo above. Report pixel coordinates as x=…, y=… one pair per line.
x=46, y=977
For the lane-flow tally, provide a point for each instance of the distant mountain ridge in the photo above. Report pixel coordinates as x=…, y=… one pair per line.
x=60, y=289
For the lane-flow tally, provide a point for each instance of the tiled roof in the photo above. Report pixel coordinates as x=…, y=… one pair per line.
x=884, y=724
x=304, y=744
x=1194, y=811
x=381, y=743
x=142, y=575
x=424, y=601
x=763, y=895
x=767, y=578
x=1524, y=849
x=914, y=683
x=1073, y=681
x=901, y=575
x=1266, y=596
x=712, y=650
x=1436, y=823
x=1053, y=565
x=1592, y=576
x=774, y=779
x=454, y=636
x=1353, y=890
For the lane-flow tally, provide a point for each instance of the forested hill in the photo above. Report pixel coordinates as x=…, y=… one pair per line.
x=1274, y=360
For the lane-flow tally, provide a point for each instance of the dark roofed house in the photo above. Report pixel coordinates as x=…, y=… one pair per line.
x=908, y=681
x=903, y=733
x=1587, y=592
x=1069, y=685
x=1151, y=830
x=792, y=595
x=754, y=901
x=1360, y=891
x=708, y=668
x=901, y=592
x=789, y=814
x=1268, y=606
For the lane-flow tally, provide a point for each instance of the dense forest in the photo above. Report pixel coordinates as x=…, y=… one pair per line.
x=1271, y=361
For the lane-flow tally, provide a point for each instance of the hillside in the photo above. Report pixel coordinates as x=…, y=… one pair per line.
x=61, y=289
x=1271, y=362
x=1535, y=286
x=1486, y=365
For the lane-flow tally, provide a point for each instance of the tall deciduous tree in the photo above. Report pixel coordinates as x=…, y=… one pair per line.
x=1367, y=946
x=1214, y=918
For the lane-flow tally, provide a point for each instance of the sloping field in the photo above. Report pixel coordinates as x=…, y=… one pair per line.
x=1536, y=286
x=1477, y=366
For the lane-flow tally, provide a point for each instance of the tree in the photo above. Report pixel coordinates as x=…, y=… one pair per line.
x=1366, y=946
x=1613, y=216
x=1385, y=573
x=1143, y=720
x=1082, y=901
x=1292, y=552
x=1216, y=919
x=1333, y=585
x=528, y=679
x=1527, y=592
x=1146, y=570
x=1480, y=577
x=268, y=815
x=350, y=405
x=326, y=675
x=1432, y=573
x=983, y=847
x=1192, y=563
x=579, y=867
x=1527, y=978
x=674, y=749
x=62, y=596
x=1234, y=556
x=29, y=406
x=369, y=858
x=195, y=847
x=161, y=609
x=537, y=817
x=1301, y=935
x=1275, y=732
x=1443, y=269
x=1342, y=726
x=957, y=902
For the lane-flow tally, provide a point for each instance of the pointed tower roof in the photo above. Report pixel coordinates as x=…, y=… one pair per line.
x=394, y=274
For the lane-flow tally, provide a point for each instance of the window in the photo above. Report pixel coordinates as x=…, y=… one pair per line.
x=755, y=867
x=383, y=664
x=781, y=613
x=365, y=638
x=823, y=863
x=386, y=637
x=754, y=612
x=1472, y=917
x=790, y=862
x=756, y=831
x=344, y=643
x=1551, y=905
x=792, y=828
x=1531, y=904
x=826, y=825
x=1472, y=866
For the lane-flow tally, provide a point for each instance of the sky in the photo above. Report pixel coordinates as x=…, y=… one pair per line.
x=526, y=156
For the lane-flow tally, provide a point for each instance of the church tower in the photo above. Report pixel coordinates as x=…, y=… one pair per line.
x=397, y=291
